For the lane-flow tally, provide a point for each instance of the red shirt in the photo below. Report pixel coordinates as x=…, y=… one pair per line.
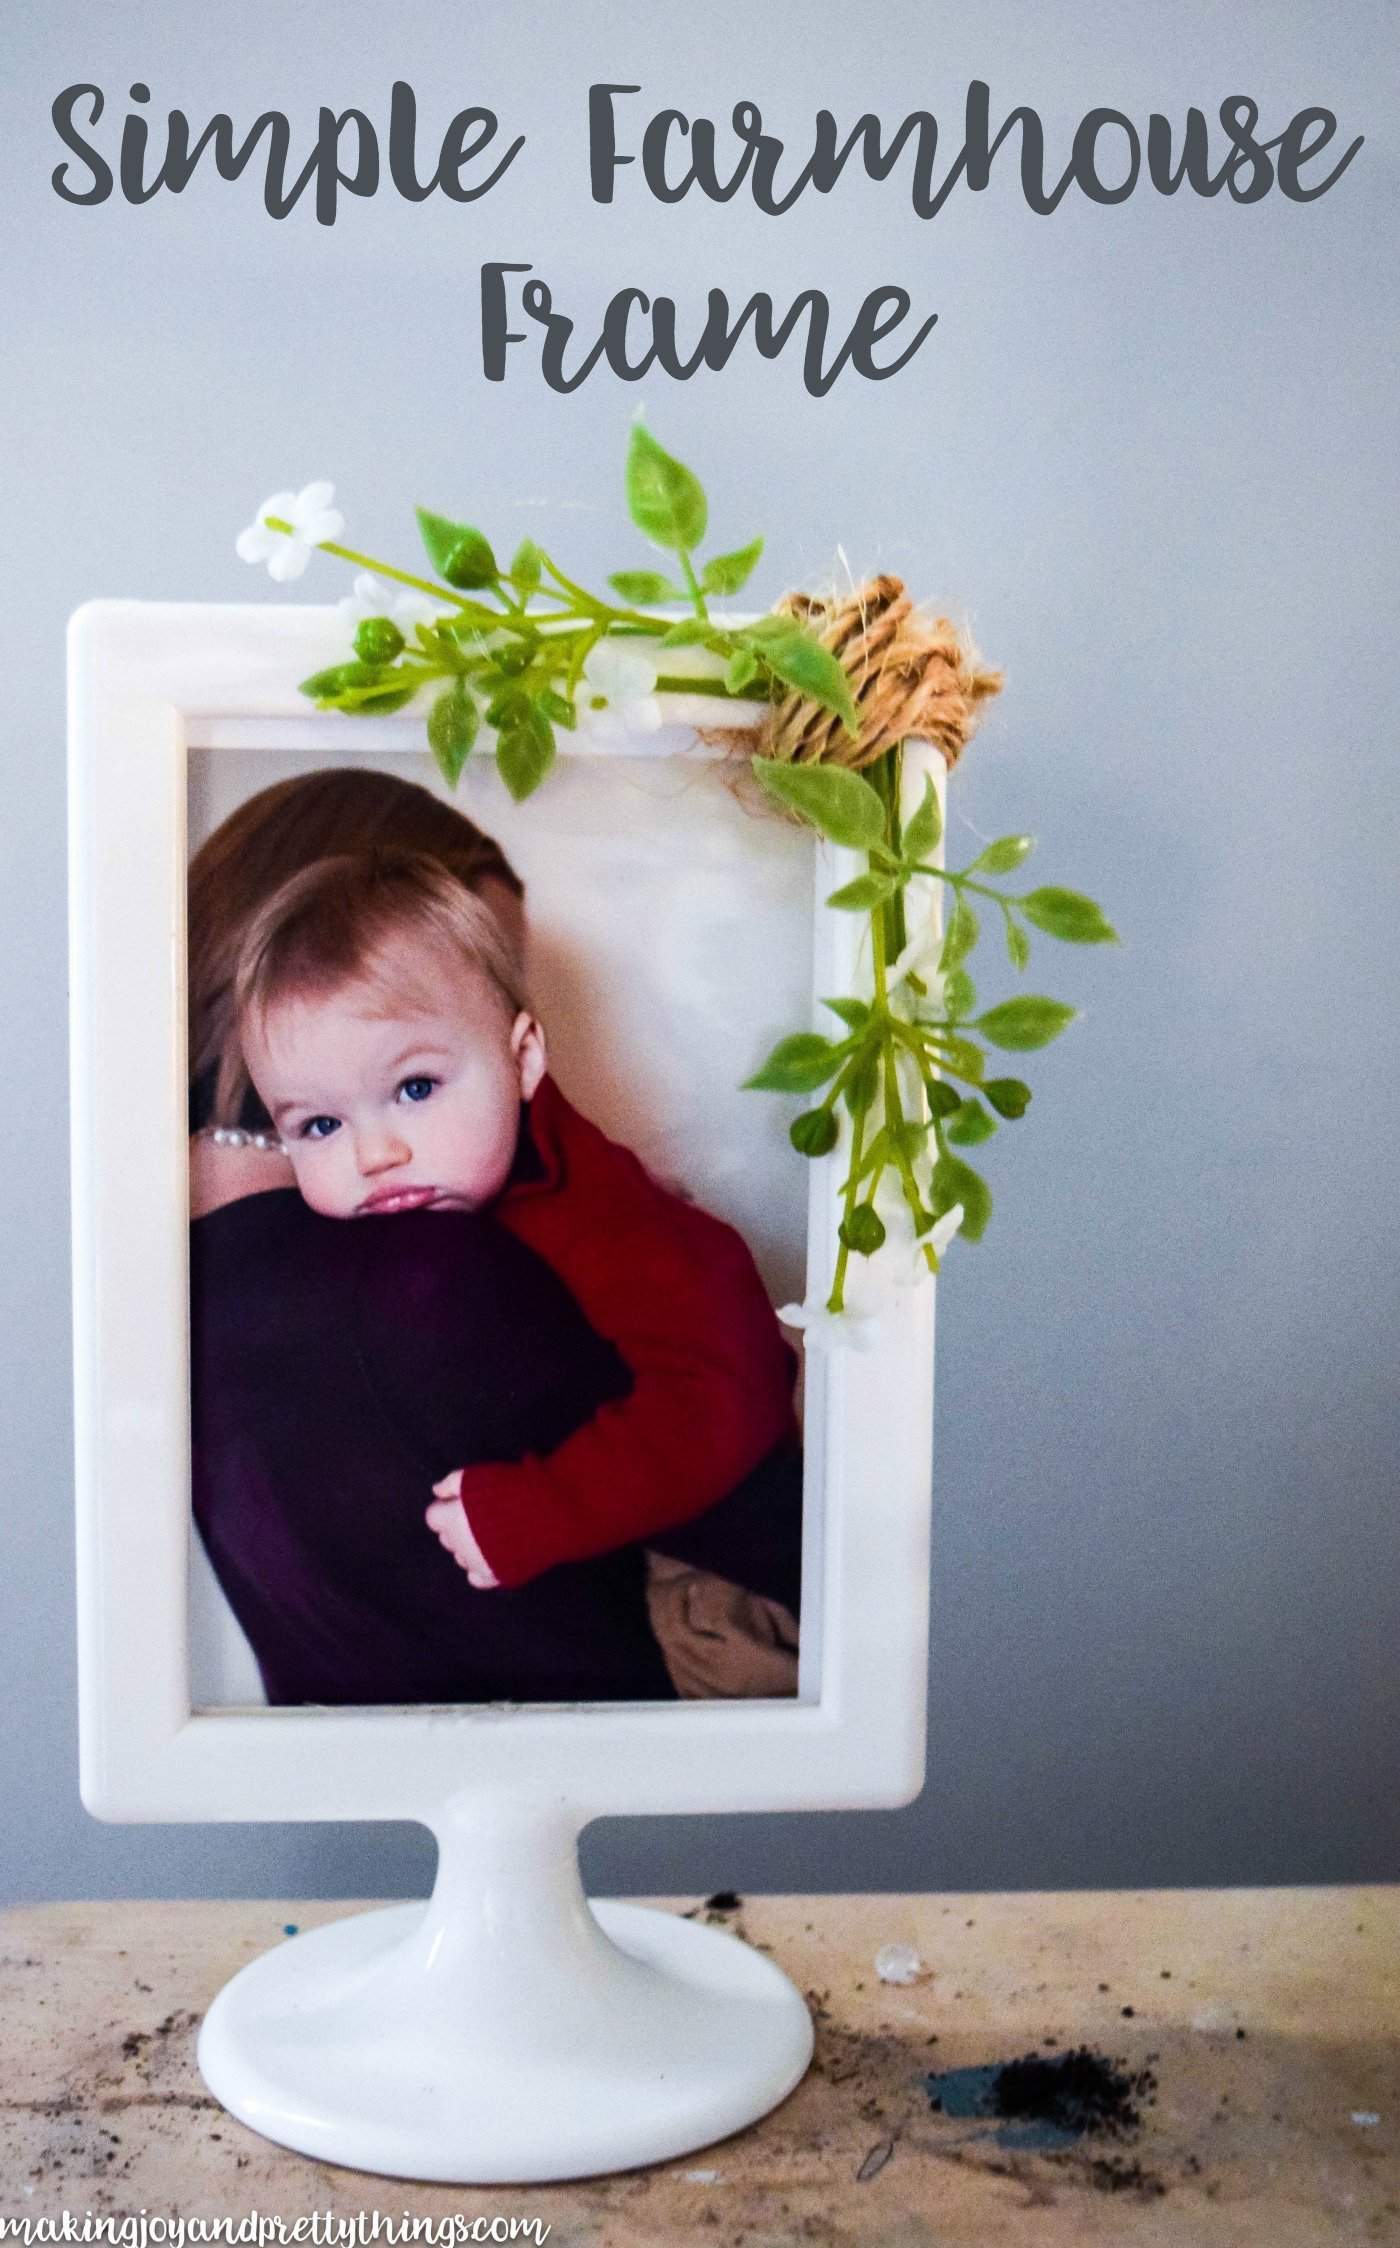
x=678, y=1295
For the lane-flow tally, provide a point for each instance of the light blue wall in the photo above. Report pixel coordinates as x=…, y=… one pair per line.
x=1150, y=453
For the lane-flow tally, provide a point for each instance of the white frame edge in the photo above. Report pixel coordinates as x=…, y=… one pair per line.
x=143, y=677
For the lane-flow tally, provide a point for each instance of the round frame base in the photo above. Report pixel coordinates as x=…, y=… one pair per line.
x=627, y=2036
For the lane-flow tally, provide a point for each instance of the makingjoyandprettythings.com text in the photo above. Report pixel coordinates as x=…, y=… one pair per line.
x=671, y=156
x=322, y=2229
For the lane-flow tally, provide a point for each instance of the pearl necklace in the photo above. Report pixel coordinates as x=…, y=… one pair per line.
x=231, y=1135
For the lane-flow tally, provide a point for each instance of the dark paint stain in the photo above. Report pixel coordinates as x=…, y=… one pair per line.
x=1045, y=2105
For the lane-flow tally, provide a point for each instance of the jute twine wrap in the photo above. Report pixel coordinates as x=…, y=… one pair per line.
x=911, y=679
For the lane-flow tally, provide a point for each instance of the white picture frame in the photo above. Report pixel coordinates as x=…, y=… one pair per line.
x=149, y=682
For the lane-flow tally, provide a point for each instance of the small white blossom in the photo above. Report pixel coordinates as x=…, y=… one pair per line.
x=618, y=692
x=919, y=958
x=831, y=1330
x=902, y=1254
x=313, y=521
x=370, y=597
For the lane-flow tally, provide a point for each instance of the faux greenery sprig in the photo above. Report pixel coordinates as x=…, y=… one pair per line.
x=916, y=1040
x=517, y=645
x=531, y=650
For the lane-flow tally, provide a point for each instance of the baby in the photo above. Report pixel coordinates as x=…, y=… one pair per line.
x=380, y=1014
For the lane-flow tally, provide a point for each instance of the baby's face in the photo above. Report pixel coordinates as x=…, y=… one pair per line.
x=406, y=1111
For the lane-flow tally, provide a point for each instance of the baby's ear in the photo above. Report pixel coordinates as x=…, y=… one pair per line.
x=527, y=1046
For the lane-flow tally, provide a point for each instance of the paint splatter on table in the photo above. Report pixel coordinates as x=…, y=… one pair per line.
x=1257, y=2031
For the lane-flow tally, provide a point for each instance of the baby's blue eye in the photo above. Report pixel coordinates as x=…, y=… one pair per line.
x=319, y=1127
x=417, y=1088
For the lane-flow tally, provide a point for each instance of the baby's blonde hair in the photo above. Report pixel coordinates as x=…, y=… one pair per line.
x=337, y=921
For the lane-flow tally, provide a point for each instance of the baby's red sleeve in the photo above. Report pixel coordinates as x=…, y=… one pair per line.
x=678, y=1294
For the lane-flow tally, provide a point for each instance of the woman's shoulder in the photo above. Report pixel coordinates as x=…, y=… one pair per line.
x=220, y=1174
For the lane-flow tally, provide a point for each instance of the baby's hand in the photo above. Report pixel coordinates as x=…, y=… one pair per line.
x=447, y=1519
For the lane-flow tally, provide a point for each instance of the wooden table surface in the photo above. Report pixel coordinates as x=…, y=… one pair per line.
x=1269, y=2018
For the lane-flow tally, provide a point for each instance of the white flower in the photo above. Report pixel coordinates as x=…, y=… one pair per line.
x=313, y=521
x=919, y=958
x=902, y=1253
x=370, y=597
x=831, y=1330
x=618, y=692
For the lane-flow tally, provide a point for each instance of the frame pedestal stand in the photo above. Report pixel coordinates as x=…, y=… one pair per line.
x=506, y=2032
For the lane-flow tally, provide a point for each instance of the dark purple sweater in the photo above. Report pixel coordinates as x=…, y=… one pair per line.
x=338, y=1370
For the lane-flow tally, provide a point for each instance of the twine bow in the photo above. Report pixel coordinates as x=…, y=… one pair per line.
x=912, y=679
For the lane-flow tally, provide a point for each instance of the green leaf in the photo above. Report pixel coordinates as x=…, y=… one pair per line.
x=863, y=1231
x=959, y=994
x=637, y=586
x=727, y=573
x=799, y=660
x=527, y=563
x=815, y=1132
x=457, y=552
x=959, y=937
x=665, y=501
x=1018, y=944
x=1068, y=915
x=797, y=1065
x=688, y=633
x=1008, y=1096
x=955, y=1182
x=924, y=827
x=741, y=670
x=452, y=725
x=942, y=1099
x=971, y=1124
x=525, y=752
x=324, y=686
x=864, y=894
x=863, y=1083
x=383, y=705
x=1003, y=856
x=770, y=627
x=558, y=707
x=1019, y=1026
x=508, y=706
x=841, y=805
x=854, y=1013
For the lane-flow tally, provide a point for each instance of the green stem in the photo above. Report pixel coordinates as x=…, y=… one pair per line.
x=894, y=1105
x=835, y=1301
x=693, y=587
x=965, y=882
x=887, y=775
x=670, y=683
x=908, y=1035
x=400, y=577
x=578, y=592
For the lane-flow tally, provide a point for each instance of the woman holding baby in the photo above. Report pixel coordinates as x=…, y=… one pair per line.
x=480, y=1411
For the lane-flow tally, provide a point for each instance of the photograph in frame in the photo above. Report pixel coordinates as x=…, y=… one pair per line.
x=339, y=1360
